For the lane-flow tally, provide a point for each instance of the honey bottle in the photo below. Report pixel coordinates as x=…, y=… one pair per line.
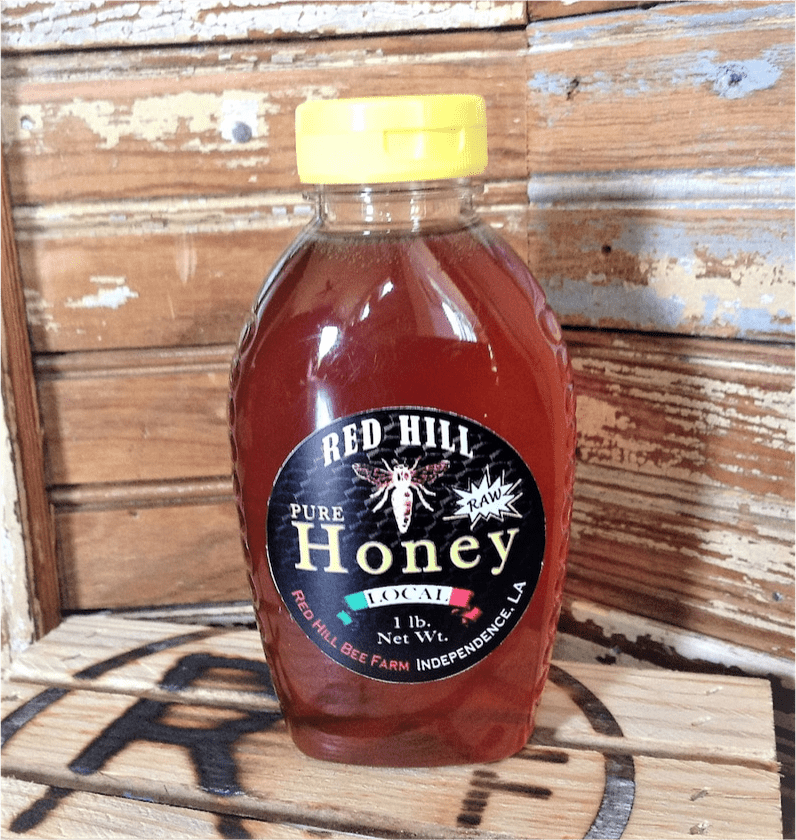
x=402, y=420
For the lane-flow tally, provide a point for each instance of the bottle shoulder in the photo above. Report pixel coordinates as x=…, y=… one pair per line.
x=337, y=264
x=382, y=296
x=452, y=320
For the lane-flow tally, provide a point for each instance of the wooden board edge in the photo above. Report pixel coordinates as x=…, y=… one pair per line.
x=24, y=423
x=104, y=27
x=539, y=10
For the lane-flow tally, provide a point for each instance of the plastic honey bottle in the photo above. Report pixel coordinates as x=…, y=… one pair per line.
x=403, y=427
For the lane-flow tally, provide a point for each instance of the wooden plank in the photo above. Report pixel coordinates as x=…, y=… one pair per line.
x=654, y=757
x=588, y=633
x=99, y=658
x=174, y=428
x=676, y=86
x=35, y=25
x=290, y=788
x=700, y=263
x=713, y=415
x=154, y=123
x=139, y=555
x=141, y=275
x=645, y=254
x=41, y=811
x=547, y=9
x=694, y=585
x=686, y=786
x=705, y=716
x=598, y=635
x=706, y=540
x=22, y=414
x=135, y=124
x=730, y=583
x=193, y=553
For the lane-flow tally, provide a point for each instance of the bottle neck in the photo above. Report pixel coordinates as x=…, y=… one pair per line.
x=384, y=208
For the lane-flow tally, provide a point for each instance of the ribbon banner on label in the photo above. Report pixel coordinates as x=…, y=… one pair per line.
x=383, y=596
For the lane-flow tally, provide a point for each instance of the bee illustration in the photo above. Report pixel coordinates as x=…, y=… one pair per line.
x=397, y=483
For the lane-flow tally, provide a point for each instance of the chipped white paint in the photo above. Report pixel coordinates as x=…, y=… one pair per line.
x=166, y=216
x=685, y=424
x=16, y=619
x=765, y=541
x=201, y=122
x=732, y=276
x=659, y=25
x=691, y=646
x=43, y=24
x=185, y=259
x=152, y=119
x=716, y=540
x=39, y=311
x=113, y=292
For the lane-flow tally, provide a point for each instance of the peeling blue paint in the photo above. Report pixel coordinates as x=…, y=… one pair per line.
x=732, y=275
x=640, y=307
x=551, y=84
x=735, y=79
x=745, y=321
x=770, y=187
x=767, y=243
x=637, y=306
x=601, y=29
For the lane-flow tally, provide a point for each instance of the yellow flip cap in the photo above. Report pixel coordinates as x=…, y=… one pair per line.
x=378, y=140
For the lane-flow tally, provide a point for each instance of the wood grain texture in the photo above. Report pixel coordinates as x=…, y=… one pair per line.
x=36, y=25
x=141, y=424
x=167, y=276
x=693, y=253
x=707, y=257
x=711, y=414
x=139, y=555
x=97, y=816
x=678, y=86
x=641, y=161
x=696, y=519
x=683, y=510
x=21, y=411
x=546, y=9
x=146, y=124
x=726, y=730
x=690, y=745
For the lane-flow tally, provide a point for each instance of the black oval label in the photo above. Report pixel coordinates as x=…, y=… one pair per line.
x=406, y=542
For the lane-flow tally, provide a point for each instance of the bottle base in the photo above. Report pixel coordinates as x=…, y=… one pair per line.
x=414, y=748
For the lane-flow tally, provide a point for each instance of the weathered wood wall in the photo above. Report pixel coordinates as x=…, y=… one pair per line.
x=641, y=161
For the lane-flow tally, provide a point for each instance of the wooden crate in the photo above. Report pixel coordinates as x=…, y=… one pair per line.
x=120, y=728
